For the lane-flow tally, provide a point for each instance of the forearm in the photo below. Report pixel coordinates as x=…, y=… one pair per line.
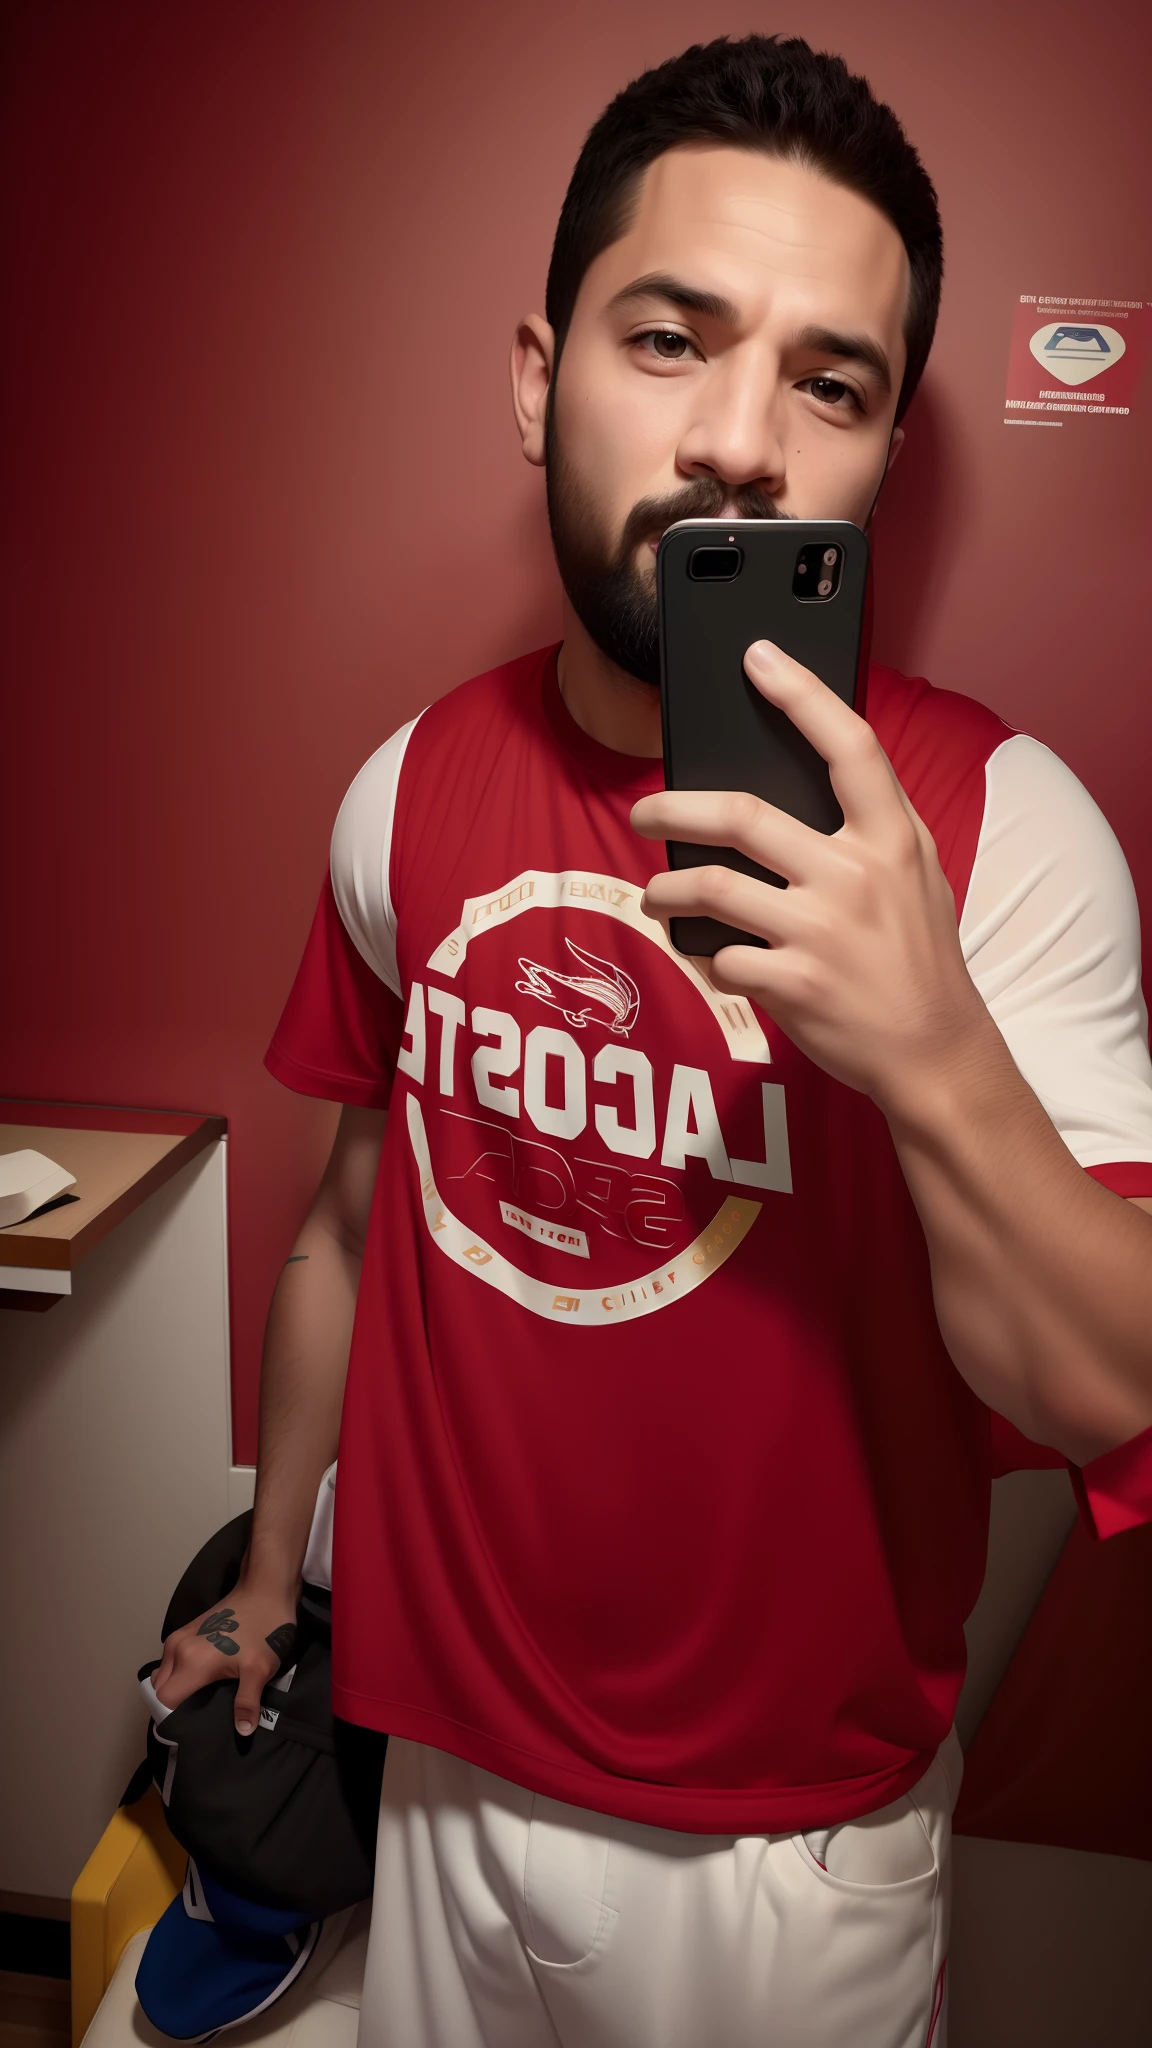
x=302, y=1377
x=1042, y=1279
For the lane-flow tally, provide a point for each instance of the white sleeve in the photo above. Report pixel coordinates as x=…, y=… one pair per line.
x=1051, y=934
x=317, y=1568
x=361, y=856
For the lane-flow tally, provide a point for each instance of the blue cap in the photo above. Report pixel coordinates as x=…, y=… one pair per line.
x=213, y=1959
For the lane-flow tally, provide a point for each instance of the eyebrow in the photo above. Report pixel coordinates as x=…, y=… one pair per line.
x=850, y=348
x=660, y=284
x=823, y=341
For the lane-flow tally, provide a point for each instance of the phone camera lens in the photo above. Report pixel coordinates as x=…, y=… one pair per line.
x=715, y=565
x=817, y=572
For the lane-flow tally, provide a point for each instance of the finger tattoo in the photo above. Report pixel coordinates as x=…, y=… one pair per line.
x=283, y=1642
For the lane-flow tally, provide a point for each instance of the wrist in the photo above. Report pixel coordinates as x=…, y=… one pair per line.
x=270, y=1579
x=957, y=1075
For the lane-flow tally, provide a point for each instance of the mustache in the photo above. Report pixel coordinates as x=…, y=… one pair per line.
x=707, y=498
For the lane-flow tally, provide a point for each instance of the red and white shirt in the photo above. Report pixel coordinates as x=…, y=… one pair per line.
x=658, y=1491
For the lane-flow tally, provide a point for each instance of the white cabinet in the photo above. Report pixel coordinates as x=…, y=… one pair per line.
x=114, y=1468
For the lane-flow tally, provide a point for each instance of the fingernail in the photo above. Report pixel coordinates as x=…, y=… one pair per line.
x=765, y=651
x=243, y=1727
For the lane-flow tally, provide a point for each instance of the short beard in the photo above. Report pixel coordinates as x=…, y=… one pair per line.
x=612, y=596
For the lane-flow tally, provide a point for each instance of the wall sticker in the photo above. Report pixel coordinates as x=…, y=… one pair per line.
x=1073, y=360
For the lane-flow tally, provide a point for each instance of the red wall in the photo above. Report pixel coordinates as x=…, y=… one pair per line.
x=262, y=497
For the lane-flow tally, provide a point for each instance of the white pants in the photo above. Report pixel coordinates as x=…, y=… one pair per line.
x=503, y=1919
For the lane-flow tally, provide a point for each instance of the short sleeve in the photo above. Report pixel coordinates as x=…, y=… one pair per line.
x=343, y=1021
x=1051, y=935
x=1113, y=1492
x=361, y=863
x=341, y=1028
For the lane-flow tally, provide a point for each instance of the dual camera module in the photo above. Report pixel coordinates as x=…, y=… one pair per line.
x=815, y=578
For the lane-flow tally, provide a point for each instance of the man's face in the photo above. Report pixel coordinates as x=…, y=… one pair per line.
x=739, y=352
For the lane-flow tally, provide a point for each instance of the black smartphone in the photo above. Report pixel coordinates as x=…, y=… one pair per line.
x=721, y=584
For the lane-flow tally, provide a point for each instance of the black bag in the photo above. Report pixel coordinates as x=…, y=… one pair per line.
x=286, y=1816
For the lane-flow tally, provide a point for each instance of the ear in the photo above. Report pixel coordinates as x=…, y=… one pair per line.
x=533, y=356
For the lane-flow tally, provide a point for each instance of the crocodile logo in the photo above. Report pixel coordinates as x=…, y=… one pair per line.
x=604, y=993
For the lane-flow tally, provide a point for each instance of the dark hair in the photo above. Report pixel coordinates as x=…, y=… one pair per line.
x=765, y=93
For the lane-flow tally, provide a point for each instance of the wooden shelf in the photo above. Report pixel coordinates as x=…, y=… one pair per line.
x=119, y=1158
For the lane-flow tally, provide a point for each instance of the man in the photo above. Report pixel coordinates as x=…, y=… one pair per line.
x=684, y=1298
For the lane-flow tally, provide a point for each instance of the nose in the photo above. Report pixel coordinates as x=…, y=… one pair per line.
x=733, y=432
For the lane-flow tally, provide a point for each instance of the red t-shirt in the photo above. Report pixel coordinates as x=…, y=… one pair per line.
x=658, y=1491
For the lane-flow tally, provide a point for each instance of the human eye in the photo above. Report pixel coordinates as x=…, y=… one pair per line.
x=834, y=393
x=665, y=345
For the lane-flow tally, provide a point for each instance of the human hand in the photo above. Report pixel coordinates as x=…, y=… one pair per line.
x=249, y=1636
x=863, y=969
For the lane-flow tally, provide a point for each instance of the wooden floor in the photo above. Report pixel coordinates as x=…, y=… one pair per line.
x=34, y=2011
